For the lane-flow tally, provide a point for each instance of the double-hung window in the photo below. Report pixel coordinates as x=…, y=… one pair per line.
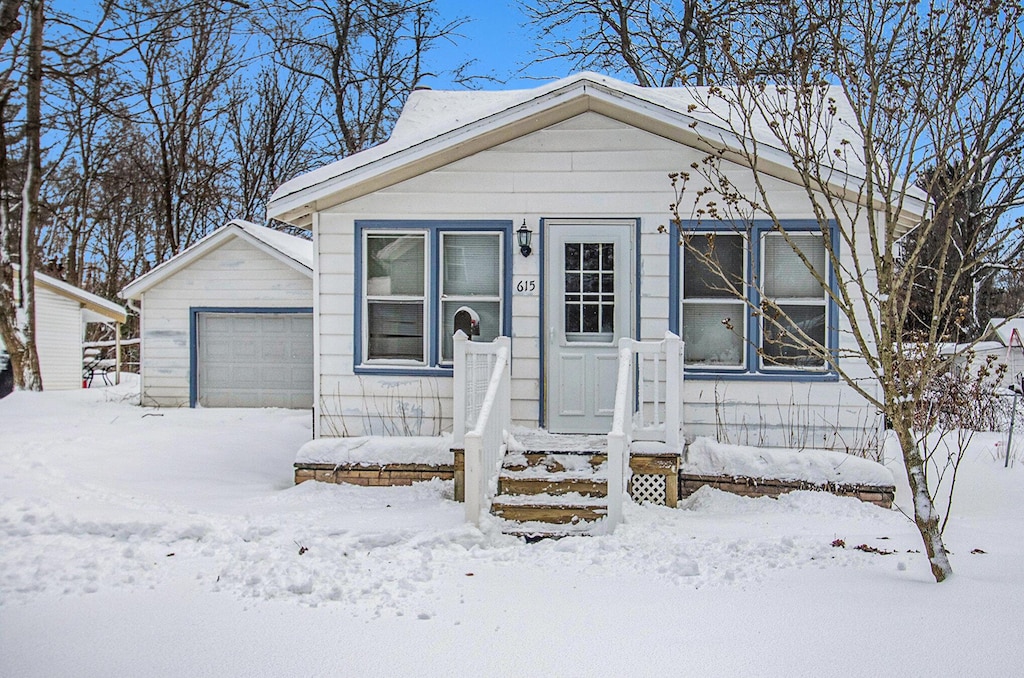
x=755, y=300
x=414, y=277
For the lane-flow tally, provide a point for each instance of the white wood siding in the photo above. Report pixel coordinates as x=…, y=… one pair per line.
x=59, y=331
x=588, y=166
x=234, y=275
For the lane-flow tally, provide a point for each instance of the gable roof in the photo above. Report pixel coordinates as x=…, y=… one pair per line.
x=440, y=127
x=95, y=308
x=289, y=249
x=1003, y=329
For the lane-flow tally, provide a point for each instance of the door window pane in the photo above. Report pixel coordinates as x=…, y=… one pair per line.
x=589, y=294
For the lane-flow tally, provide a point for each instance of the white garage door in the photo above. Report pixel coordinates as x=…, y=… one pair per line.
x=255, y=360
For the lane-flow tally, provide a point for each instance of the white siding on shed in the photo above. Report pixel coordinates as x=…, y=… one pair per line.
x=59, y=331
x=234, y=275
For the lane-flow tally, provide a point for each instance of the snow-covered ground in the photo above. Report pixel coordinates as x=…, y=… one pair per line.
x=137, y=542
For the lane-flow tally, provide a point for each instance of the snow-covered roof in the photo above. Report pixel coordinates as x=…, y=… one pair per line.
x=94, y=307
x=439, y=127
x=292, y=250
x=1002, y=329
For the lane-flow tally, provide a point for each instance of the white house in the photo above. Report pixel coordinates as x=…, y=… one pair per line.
x=62, y=312
x=409, y=232
x=228, y=322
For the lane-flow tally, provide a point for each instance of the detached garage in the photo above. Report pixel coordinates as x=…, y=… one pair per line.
x=229, y=322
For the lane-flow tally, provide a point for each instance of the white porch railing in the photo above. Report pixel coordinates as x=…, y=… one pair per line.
x=482, y=416
x=647, y=407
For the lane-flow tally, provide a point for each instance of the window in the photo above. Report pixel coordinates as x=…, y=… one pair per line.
x=797, y=308
x=414, y=278
x=589, y=270
x=723, y=330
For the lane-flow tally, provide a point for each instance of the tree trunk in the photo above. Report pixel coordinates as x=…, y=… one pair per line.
x=30, y=378
x=925, y=516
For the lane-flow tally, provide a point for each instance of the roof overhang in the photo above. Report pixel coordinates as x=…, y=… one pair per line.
x=94, y=308
x=548, y=108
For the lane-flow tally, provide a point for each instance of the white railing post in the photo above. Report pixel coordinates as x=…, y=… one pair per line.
x=459, y=393
x=619, y=437
x=483, y=405
x=673, y=386
x=473, y=456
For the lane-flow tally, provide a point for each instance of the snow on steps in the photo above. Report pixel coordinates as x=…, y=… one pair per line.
x=547, y=494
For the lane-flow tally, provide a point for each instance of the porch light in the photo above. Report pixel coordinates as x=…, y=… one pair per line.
x=525, y=235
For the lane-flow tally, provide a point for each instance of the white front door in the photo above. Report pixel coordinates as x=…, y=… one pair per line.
x=588, y=307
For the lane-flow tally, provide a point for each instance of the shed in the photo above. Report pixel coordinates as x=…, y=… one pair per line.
x=228, y=322
x=62, y=312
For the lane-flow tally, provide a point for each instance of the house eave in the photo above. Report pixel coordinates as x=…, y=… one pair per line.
x=547, y=109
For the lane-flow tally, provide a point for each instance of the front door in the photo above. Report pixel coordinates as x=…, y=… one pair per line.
x=588, y=307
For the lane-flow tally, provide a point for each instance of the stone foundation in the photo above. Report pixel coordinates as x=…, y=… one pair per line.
x=677, y=485
x=381, y=475
x=758, y=487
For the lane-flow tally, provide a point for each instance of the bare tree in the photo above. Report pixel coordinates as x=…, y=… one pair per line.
x=186, y=57
x=273, y=134
x=17, y=235
x=904, y=89
x=365, y=56
x=657, y=42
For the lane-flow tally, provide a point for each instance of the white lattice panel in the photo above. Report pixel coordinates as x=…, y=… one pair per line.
x=648, y=488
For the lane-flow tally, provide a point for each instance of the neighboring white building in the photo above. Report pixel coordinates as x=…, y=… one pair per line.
x=228, y=322
x=411, y=231
x=62, y=312
x=1006, y=342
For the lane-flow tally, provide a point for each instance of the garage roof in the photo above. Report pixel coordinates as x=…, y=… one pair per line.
x=292, y=250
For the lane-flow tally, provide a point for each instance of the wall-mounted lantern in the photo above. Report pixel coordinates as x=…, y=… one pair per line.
x=525, y=235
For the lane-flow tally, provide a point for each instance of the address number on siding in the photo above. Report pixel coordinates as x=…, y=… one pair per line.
x=525, y=287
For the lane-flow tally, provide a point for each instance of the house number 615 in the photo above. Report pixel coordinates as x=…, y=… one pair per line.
x=526, y=287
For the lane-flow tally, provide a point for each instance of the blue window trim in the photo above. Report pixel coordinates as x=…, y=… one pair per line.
x=193, y=335
x=753, y=231
x=432, y=228
x=541, y=401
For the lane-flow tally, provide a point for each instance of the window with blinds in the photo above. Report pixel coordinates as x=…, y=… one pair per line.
x=796, y=314
x=471, y=265
x=414, y=277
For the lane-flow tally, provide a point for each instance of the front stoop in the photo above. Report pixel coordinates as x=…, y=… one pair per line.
x=563, y=492
x=552, y=493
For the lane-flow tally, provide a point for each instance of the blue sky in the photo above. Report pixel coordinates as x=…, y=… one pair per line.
x=496, y=38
